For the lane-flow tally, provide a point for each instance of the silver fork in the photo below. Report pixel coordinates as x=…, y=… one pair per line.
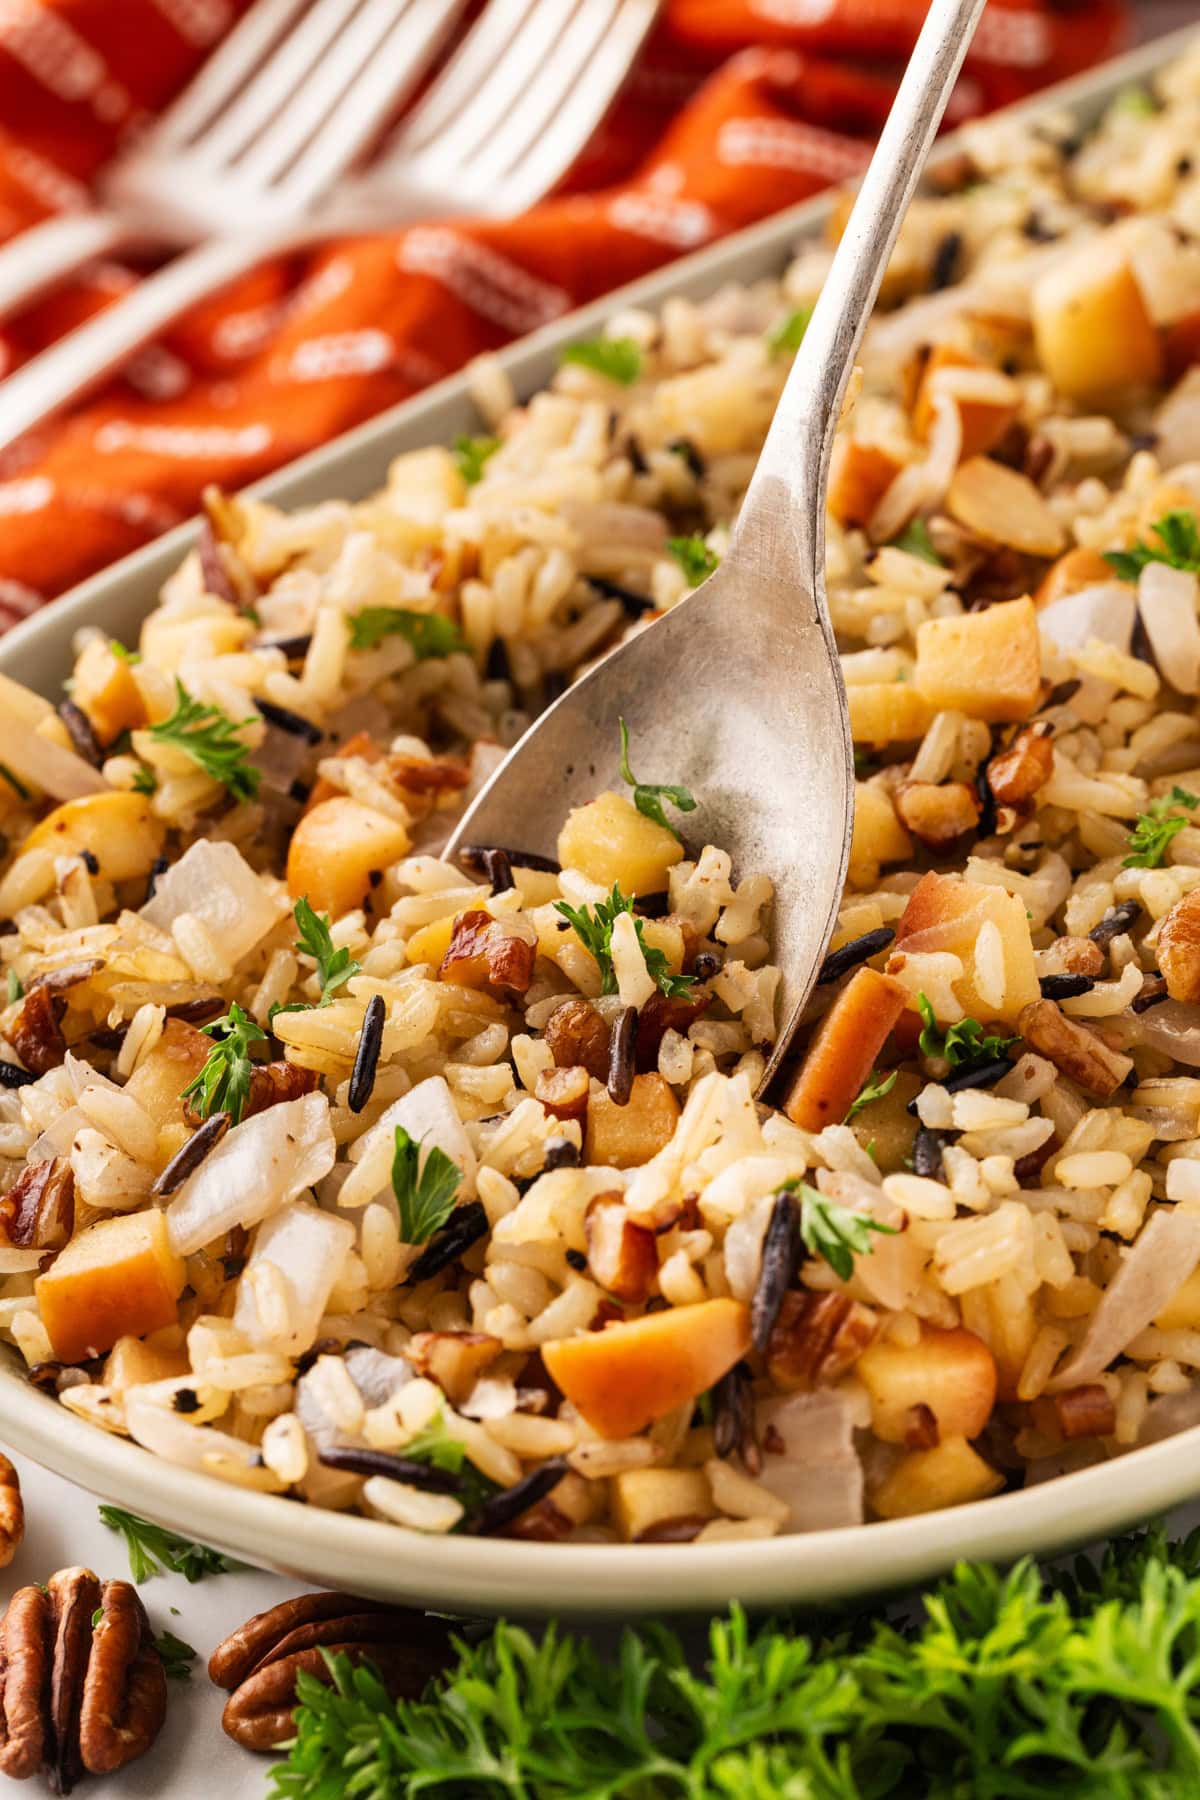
x=502, y=123
x=275, y=114
x=738, y=692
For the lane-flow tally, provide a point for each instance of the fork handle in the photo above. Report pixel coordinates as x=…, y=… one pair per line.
x=48, y=253
x=85, y=356
x=781, y=527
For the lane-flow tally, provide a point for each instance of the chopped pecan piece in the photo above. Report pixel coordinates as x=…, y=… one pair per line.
x=1179, y=948
x=483, y=953
x=66, y=976
x=622, y=1256
x=38, y=1211
x=269, y=1084
x=12, y=1512
x=564, y=1092
x=454, y=1359
x=1079, y=1412
x=77, y=1699
x=1015, y=775
x=429, y=778
x=816, y=1338
x=661, y=1014
x=260, y=1661
x=1071, y=1047
x=1071, y=956
x=576, y=1033
x=937, y=813
x=34, y=1033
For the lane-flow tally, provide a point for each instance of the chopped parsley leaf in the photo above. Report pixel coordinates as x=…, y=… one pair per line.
x=594, y=927
x=1178, y=545
x=209, y=737
x=648, y=796
x=425, y=1192
x=223, y=1084
x=693, y=556
x=427, y=633
x=1154, y=829
x=620, y=359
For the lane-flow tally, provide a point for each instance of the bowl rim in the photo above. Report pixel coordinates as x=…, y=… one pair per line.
x=482, y=1575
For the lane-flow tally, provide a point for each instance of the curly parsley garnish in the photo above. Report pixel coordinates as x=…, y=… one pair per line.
x=790, y=334
x=176, y=1656
x=335, y=967
x=594, y=927
x=694, y=557
x=223, y=1084
x=427, y=633
x=1154, y=829
x=1178, y=545
x=963, y=1044
x=154, y=1550
x=145, y=781
x=471, y=455
x=425, y=1193
x=915, y=540
x=874, y=1088
x=123, y=653
x=210, y=738
x=648, y=796
x=832, y=1231
x=620, y=359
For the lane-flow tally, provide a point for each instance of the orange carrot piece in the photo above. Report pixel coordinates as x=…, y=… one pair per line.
x=626, y=1376
x=843, y=1053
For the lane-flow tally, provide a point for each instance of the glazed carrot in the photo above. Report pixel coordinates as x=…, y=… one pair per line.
x=626, y=1376
x=844, y=1050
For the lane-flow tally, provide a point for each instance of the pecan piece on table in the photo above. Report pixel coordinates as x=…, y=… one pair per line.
x=75, y=1698
x=260, y=1661
x=12, y=1512
x=38, y=1211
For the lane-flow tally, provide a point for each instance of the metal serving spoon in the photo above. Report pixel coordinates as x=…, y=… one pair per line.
x=737, y=692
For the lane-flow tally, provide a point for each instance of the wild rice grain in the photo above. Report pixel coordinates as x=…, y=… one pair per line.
x=294, y=648
x=396, y=1468
x=13, y=1077
x=366, y=1059
x=79, y=730
x=475, y=857
x=856, y=951
x=1065, y=987
x=621, y=1057
x=927, y=1153
x=1116, y=920
x=467, y=1225
x=635, y=604
x=780, y=1255
x=1154, y=992
x=291, y=722
x=189, y=1157
x=561, y=1154
x=978, y=1075
x=502, y=1508
x=733, y=1418
x=158, y=867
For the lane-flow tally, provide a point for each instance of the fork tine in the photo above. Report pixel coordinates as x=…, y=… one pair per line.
x=226, y=71
x=404, y=56
x=509, y=79
x=537, y=158
x=274, y=86
x=484, y=46
x=565, y=64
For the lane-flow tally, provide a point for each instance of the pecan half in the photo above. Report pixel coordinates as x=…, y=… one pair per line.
x=816, y=1338
x=260, y=1661
x=1016, y=774
x=1079, y=1412
x=622, y=1256
x=576, y=1033
x=77, y=1698
x=34, y=1033
x=38, y=1211
x=1179, y=948
x=454, y=1359
x=483, y=953
x=1071, y=1047
x=12, y=1512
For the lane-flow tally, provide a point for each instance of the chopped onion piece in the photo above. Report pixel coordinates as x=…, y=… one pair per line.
x=818, y=1472
x=1159, y=1263
x=172, y=1436
x=1105, y=611
x=215, y=883
x=430, y=1117
x=1172, y=1027
x=1167, y=602
x=44, y=764
x=305, y=1248
x=258, y=1167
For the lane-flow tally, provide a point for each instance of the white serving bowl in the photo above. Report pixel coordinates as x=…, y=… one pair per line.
x=488, y=1575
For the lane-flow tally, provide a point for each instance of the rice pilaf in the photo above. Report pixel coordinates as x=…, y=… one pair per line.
x=339, y=1171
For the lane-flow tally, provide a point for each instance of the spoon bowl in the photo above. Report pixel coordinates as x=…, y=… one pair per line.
x=737, y=692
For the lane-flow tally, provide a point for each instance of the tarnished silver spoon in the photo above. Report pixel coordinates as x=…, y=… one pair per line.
x=737, y=692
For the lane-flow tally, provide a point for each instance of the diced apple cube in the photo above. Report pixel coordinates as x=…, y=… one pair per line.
x=878, y=836
x=118, y=829
x=1092, y=328
x=952, y=1373
x=888, y=712
x=119, y=1277
x=926, y=1480
x=609, y=840
x=945, y=914
x=645, y=1498
x=987, y=400
x=338, y=849
x=843, y=1051
x=986, y=664
x=107, y=692
x=623, y=1137
x=859, y=477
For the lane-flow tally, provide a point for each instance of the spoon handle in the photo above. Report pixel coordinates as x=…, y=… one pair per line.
x=781, y=527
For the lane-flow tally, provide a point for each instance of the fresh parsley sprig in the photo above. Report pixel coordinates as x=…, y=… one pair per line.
x=335, y=967
x=471, y=455
x=176, y=1656
x=425, y=1191
x=223, y=1084
x=1022, y=1682
x=916, y=541
x=648, y=796
x=789, y=335
x=694, y=557
x=427, y=633
x=154, y=1551
x=963, y=1043
x=1178, y=545
x=594, y=927
x=210, y=738
x=874, y=1088
x=832, y=1231
x=1154, y=829
x=620, y=358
